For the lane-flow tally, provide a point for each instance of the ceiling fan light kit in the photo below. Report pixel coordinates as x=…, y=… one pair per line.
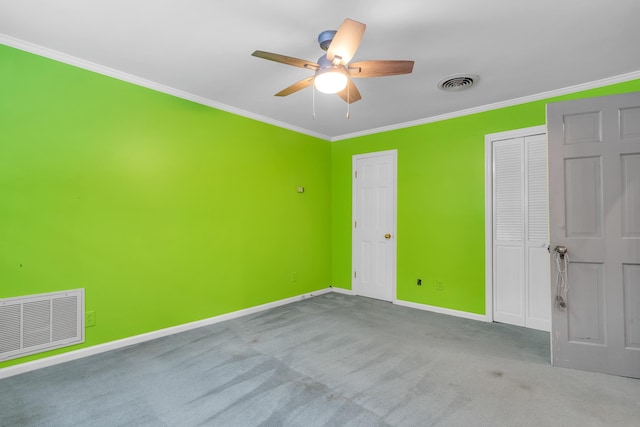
x=330, y=78
x=333, y=73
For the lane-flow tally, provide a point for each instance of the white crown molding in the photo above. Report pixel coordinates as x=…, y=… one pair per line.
x=91, y=66
x=130, y=78
x=497, y=105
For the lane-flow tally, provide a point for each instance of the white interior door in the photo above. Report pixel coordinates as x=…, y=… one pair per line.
x=594, y=180
x=374, y=224
x=520, y=232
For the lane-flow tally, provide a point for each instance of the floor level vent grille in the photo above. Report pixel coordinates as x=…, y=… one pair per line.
x=36, y=323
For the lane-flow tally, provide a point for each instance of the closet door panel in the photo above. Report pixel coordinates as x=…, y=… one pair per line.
x=521, y=286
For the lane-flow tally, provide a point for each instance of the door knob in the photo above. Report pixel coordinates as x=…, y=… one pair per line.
x=387, y=236
x=561, y=250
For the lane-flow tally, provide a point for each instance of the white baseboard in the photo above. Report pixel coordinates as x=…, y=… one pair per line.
x=125, y=342
x=342, y=291
x=137, y=339
x=450, y=312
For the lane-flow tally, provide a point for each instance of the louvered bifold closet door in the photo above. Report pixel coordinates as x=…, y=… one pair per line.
x=537, y=287
x=508, y=226
x=521, y=223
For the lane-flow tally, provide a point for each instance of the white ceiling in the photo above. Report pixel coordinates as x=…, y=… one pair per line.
x=201, y=49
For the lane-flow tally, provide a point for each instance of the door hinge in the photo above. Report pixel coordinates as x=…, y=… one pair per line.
x=355, y=224
x=355, y=274
x=356, y=174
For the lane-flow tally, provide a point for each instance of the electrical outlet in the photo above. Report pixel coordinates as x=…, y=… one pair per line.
x=419, y=282
x=89, y=319
x=439, y=285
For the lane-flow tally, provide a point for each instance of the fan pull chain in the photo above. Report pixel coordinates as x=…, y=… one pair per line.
x=348, y=103
x=314, y=101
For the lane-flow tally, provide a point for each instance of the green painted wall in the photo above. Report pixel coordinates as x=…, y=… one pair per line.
x=440, y=235
x=164, y=210
x=167, y=211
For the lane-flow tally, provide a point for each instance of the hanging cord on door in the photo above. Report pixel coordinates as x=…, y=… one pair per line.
x=562, y=280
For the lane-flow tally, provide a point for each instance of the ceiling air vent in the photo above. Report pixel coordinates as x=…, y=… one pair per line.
x=458, y=82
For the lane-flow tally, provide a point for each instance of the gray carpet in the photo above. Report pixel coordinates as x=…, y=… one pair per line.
x=332, y=360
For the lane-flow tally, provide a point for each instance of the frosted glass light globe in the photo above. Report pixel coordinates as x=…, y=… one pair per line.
x=330, y=80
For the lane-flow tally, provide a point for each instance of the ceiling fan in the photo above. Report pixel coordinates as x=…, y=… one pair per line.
x=333, y=72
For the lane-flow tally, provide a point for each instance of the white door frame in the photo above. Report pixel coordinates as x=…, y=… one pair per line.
x=394, y=228
x=488, y=205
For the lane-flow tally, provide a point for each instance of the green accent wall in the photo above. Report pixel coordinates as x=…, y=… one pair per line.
x=164, y=210
x=167, y=211
x=440, y=220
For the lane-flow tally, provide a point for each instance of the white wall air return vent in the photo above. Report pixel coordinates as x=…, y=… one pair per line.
x=36, y=323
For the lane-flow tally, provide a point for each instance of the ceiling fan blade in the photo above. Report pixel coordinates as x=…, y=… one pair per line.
x=350, y=94
x=296, y=86
x=346, y=41
x=288, y=60
x=380, y=68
